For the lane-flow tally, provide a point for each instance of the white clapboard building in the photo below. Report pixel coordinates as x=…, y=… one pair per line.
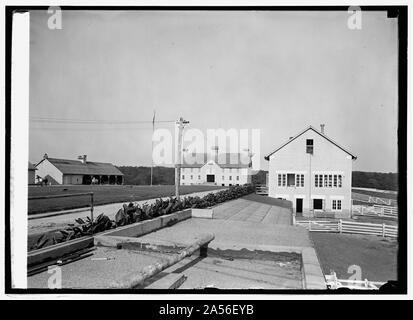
x=313, y=172
x=224, y=169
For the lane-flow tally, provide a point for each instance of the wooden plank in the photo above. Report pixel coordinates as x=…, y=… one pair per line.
x=58, y=250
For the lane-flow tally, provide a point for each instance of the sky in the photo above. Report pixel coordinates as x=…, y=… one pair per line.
x=278, y=72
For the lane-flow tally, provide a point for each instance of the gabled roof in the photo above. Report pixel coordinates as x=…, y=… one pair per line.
x=31, y=166
x=90, y=168
x=304, y=131
x=224, y=160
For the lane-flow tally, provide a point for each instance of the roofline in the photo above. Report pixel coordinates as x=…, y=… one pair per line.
x=121, y=173
x=302, y=132
x=242, y=166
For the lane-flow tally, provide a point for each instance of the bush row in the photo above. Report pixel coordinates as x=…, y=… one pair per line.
x=131, y=213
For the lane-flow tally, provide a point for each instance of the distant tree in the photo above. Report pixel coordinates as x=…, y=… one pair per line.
x=166, y=176
x=260, y=177
x=142, y=175
x=376, y=180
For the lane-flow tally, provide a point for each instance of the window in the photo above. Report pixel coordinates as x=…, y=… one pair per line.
x=302, y=180
x=310, y=146
x=279, y=180
x=318, y=204
x=183, y=177
x=297, y=180
x=284, y=180
x=223, y=177
x=192, y=177
x=318, y=178
x=329, y=181
x=230, y=178
x=290, y=180
x=237, y=177
x=199, y=177
x=336, y=205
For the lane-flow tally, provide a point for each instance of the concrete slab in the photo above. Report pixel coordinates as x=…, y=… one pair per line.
x=242, y=225
x=230, y=233
x=87, y=273
x=249, y=210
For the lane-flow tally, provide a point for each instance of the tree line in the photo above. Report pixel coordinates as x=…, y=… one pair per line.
x=166, y=176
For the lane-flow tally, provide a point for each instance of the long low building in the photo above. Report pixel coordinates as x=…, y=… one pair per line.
x=64, y=171
x=225, y=169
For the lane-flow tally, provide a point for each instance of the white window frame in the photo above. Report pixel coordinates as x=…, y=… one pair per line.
x=335, y=203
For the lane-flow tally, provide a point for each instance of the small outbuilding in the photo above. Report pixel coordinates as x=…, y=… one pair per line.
x=64, y=171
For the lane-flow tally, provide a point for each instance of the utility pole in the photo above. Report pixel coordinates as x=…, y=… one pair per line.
x=181, y=124
x=153, y=131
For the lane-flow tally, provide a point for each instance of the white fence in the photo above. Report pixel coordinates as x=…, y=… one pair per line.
x=344, y=226
x=376, y=211
x=373, y=200
x=333, y=283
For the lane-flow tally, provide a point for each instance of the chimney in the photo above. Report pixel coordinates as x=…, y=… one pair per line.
x=45, y=156
x=82, y=158
x=322, y=128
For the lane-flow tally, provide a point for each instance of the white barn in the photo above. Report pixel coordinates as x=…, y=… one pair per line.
x=225, y=169
x=314, y=173
x=65, y=171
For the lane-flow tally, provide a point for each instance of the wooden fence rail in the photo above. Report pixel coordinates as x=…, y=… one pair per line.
x=333, y=282
x=344, y=226
x=376, y=211
x=261, y=189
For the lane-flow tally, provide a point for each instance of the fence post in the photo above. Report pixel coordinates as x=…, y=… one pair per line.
x=91, y=209
x=383, y=229
x=340, y=225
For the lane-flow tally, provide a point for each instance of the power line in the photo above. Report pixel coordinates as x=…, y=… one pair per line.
x=90, y=121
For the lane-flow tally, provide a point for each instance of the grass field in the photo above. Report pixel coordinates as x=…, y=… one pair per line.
x=102, y=195
x=377, y=257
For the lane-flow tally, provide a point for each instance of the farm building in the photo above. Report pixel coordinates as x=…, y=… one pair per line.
x=63, y=171
x=223, y=169
x=31, y=174
x=314, y=173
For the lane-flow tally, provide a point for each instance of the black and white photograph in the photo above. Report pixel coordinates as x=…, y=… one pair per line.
x=195, y=150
